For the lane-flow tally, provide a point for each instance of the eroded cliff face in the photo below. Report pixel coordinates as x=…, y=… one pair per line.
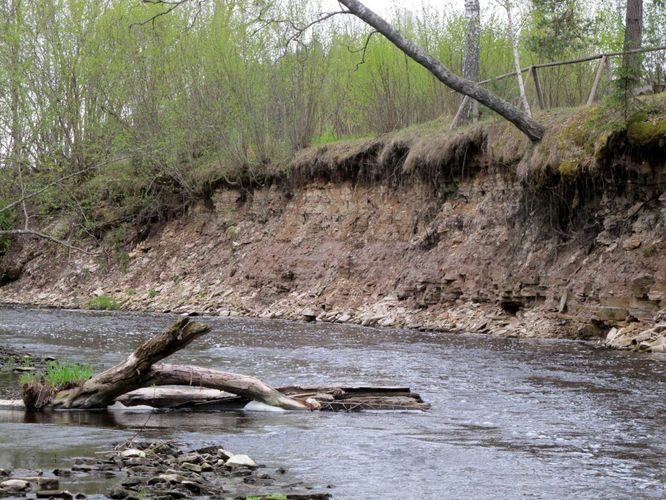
x=482, y=250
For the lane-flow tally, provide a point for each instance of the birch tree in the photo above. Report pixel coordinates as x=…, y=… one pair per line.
x=471, y=57
x=522, y=120
x=514, y=34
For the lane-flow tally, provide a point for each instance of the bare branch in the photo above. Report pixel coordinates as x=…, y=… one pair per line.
x=322, y=17
x=298, y=31
x=172, y=5
x=363, y=50
x=26, y=197
x=30, y=232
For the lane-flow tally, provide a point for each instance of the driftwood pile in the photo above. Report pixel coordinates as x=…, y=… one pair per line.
x=135, y=381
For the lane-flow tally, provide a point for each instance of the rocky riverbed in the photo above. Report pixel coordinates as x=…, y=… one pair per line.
x=14, y=362
x=136, y=470
x=161, y=470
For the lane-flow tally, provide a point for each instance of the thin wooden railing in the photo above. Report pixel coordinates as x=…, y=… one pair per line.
x=532, y=71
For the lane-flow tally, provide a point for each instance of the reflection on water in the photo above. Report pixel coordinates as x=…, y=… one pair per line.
x=510, y=417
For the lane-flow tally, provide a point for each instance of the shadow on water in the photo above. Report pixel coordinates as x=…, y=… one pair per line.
x=159, y=422
x=510, y=417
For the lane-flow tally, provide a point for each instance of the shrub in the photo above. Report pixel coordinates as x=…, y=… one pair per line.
x=103, y=303
x=7, y=222
x=60, y=374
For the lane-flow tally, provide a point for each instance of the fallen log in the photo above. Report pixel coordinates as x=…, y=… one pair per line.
x=140, y=370
x=176, y=397
x=135, y=382
x=329, y=398
x=101, y=390
x=241, y=385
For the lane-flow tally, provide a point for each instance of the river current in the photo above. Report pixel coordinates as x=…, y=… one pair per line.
x=510, y=418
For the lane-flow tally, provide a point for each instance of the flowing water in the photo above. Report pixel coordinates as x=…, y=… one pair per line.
x=510, y=418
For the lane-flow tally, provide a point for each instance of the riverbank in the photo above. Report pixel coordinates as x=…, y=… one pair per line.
x=162, y=469
x=159, y=469
x=501, y=408
x=473, y=232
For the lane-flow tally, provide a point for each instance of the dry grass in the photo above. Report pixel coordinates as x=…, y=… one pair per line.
x=576, y=142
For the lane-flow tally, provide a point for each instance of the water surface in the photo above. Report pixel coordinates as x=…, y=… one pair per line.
x=510, y=418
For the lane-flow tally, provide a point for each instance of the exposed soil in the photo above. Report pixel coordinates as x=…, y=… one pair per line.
x=465, y=239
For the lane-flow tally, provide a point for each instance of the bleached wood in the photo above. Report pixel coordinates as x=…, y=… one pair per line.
x=140, y=369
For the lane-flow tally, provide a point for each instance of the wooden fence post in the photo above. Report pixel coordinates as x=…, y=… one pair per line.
x=597, y=79
x=537, y=86
x=459, y=113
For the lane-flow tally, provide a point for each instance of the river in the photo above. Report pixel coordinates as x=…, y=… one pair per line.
x=510, y=418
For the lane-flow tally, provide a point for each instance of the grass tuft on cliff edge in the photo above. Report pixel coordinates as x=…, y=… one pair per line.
x=577, y=140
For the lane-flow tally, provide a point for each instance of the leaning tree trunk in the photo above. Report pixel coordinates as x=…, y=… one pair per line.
x=521, y=120
x=140, y=370
x=471, y=57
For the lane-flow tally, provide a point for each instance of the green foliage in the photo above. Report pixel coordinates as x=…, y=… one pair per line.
x=152, y=293
x=171, y=109
x=7, y=223
x=558, y=28
x=59, y=374
x=643, y=129
x=103, y=303
x=568, y=168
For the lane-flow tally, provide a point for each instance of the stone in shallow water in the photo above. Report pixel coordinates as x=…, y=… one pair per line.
x=133, y=453
x=196, y=487
x=48, y=483
x=192, y=467
x=241, y=461
x=54, y=494
x=119, y=493
x=193, y=458
x=169, y=478
x=15, y=484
